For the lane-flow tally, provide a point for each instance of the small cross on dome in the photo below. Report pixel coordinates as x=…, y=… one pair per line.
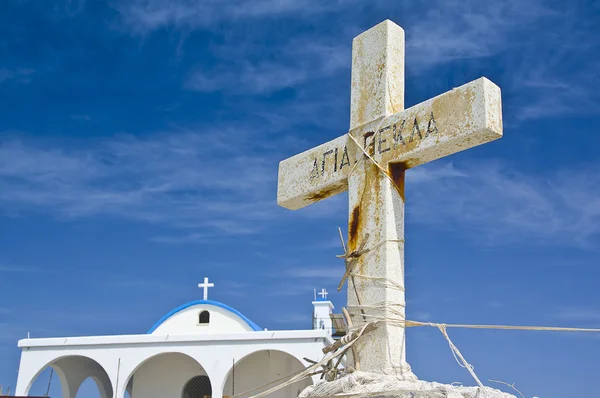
x=205, y=286
x=323, y=293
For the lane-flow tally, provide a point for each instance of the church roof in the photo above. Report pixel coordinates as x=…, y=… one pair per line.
x=169, y=314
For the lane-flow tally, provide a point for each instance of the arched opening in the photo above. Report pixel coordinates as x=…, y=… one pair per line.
x=204, y=317
x=71, y=377
x=164, y=375
x=262, y=367
x=88, y=389
x=129, y=388
x=47, y=382
x=197, y=387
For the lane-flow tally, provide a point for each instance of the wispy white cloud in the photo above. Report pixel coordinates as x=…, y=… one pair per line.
x=140, y=284
x=582, y=314
x=324, y=272
x=221, y=181
x=421, y=316
x=187, y=238
x=450, y=30
x=224, y=184
x=250, y=79
x=543, y=47
x=438, y=32
x=224, y=179
x=296, y=63
x=12, y=268
x=287, y=62
x=11, y=332
x=300, y=280
x=551, y=93
x=235, y=288
x=495, y=304
x=87, y=118
x=500, y=205
x=305, y=319
x=143, y=16
x=296, y=288
x=75, y=321
x=19, y=75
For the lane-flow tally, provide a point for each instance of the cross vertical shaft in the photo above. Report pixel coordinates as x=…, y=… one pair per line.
x=370, y=161
x=204, y=286
x=376, y=221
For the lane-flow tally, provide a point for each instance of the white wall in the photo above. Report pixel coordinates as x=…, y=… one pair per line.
x=71, y=370
x=186, y=321
x=164, y=376
x=121, y=356
x=264, y=367
x=321, y=316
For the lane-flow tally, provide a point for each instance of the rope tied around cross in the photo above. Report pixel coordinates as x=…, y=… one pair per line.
x=462, y=118
x=350, y=260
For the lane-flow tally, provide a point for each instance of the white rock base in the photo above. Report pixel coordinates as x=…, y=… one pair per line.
x=369, y=384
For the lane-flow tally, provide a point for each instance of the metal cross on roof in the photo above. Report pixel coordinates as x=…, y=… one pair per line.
x=205, y=286
x=323, y=293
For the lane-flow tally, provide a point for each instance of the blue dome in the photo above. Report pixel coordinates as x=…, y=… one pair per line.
x=252, y=325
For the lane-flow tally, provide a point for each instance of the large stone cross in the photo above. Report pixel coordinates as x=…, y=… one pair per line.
x=395, y=139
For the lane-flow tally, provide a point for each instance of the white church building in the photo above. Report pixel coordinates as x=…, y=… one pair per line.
x=200, y=349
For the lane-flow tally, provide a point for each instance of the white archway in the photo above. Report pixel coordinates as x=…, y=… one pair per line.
x=89, y=388
x=163, y=375
x=72, y=371
x=262, y=367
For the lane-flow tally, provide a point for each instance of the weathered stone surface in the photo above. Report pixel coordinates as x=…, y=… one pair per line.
x=395, y=140
x=376, y=211
x=377, y=73
x=459, y=119
x=361, y=384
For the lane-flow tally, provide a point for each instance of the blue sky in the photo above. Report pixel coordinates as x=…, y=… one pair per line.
x=139, y=146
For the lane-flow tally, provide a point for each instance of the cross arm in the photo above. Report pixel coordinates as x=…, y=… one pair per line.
x=462, y=118
x=459, y=119
x=315, y=174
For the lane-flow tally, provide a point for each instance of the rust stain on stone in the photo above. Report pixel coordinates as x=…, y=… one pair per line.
x=324, y=193
x=353, y=229
x=368, y=134
x=397, y=172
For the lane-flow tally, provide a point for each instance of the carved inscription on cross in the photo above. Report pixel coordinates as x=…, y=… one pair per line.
x=390, y=137
x=395, y=140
